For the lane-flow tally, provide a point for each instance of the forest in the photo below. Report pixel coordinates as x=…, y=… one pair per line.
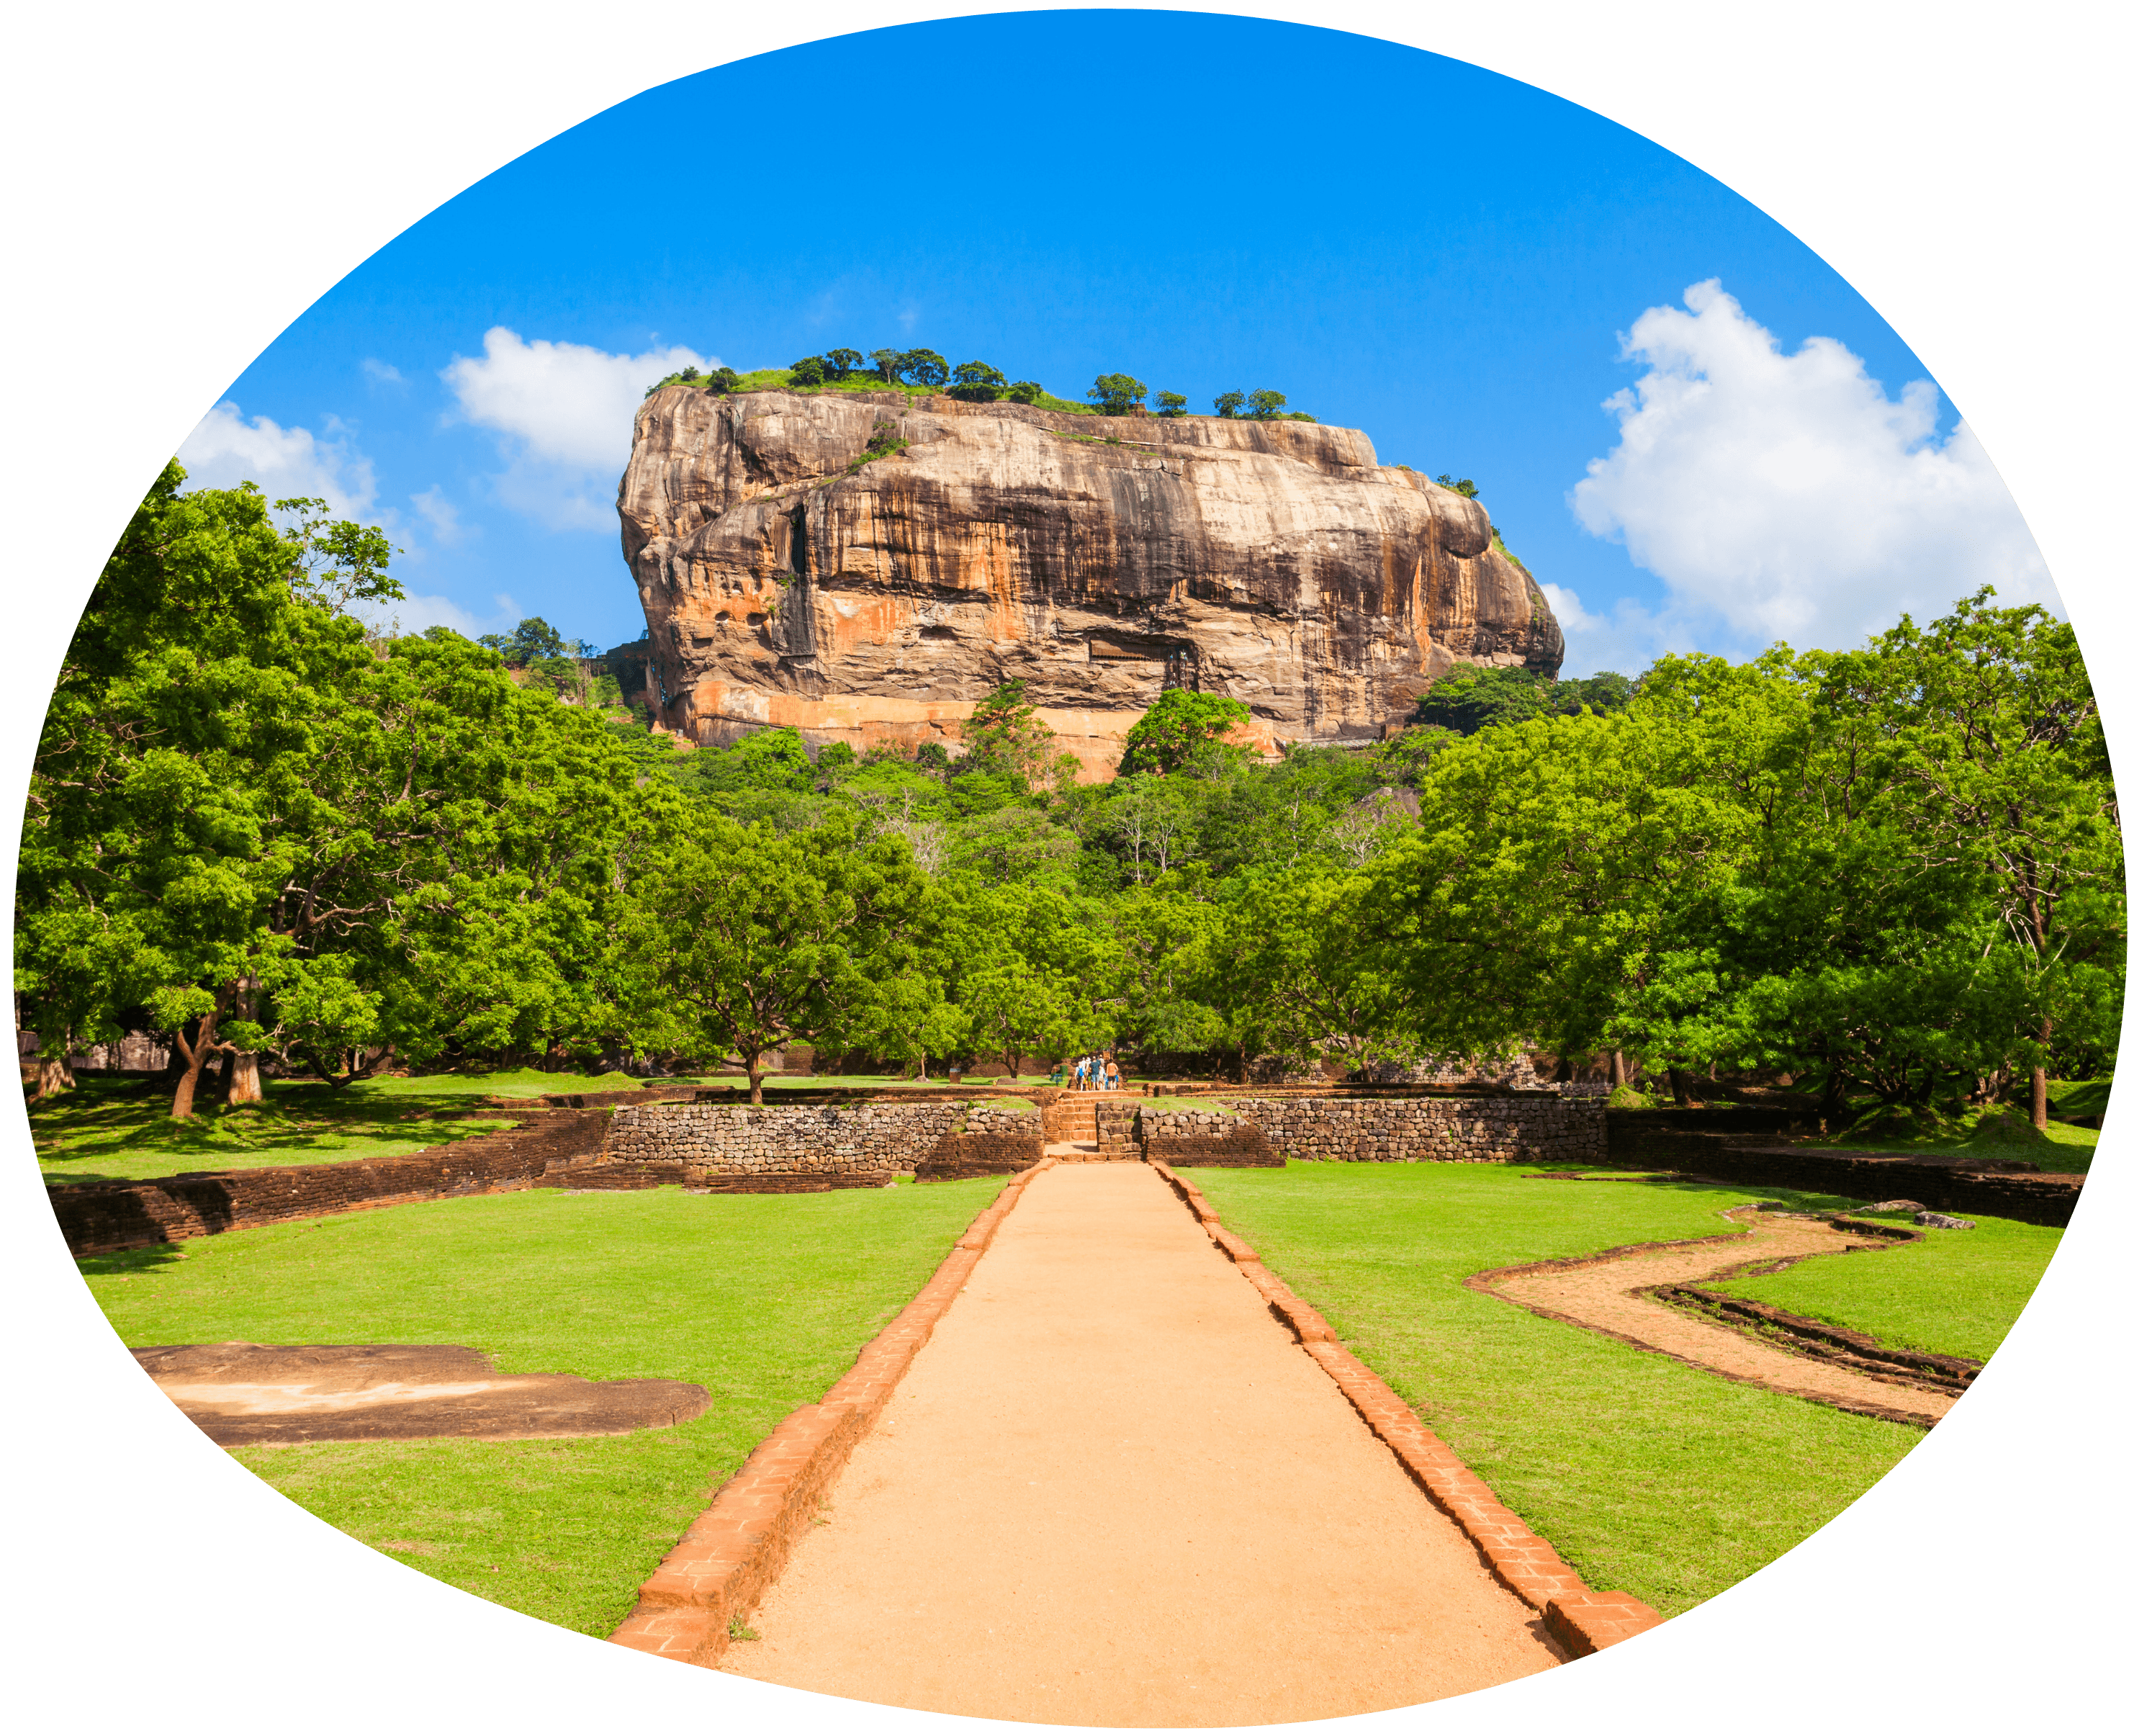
x=284, y=837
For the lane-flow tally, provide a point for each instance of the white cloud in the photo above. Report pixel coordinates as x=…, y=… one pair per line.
x=225, y=450
x=1626, y=641
x=563, y=412
x=443, y=518
x=414, y=614
x=382, y=373
x=1789, y=496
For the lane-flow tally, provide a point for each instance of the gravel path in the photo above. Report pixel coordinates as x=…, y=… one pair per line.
x=1601, y=1294
x=1112, y=1491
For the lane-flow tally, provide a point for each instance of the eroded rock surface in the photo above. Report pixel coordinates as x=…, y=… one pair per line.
x=785, y=583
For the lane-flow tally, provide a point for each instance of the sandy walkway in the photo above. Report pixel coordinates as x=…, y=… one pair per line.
x=1599, y=1295
x=1112, y=1491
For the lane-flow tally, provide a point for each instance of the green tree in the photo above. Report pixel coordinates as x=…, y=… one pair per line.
x=1473, y=697
x=978, y=382
x=1171, y=404
x=1178, y=724
x=842, y=364
x=925, y=367
x=528, y=642
x=1229, y=405
x=1024, y=391
x=810, y=370
x=1005, y=734
x=1264, y=406
x=1116, y=394
x=741, y=942
x=722, y=380
x=1464, y=486
x=889, y=364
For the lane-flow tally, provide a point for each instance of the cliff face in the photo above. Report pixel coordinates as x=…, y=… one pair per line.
x=1099, y=560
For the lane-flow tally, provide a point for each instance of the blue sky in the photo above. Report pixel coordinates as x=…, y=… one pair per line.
x=1447, y=259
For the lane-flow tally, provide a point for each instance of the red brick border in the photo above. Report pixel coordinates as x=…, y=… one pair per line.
x=1581, y=1620
x=737, y=1547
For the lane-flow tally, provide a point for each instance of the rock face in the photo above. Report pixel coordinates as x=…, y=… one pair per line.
x=1099, y=560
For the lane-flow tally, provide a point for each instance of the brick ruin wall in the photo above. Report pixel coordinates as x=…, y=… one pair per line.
x=1543, y=1128
x=100, y=1218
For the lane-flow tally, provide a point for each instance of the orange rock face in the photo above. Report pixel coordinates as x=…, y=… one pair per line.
x=788, y=579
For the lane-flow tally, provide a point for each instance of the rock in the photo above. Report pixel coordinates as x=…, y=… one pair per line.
x=1897, y=1206
x=1097, y=560
x=1939, y=1220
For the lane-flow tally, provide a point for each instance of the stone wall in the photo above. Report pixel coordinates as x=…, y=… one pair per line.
x=1116, y=1136
x=1542, y=1128
x=820, y=1139
x=959, y=1155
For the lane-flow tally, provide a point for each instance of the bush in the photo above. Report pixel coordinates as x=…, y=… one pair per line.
x=810, y=370
x=1228, y=405
x=1266, y=406
x=843, y=363
x=1024, y=391
x=1171, y=404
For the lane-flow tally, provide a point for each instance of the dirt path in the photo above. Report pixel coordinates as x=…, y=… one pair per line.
x=1601, y=1294
x=1112, y=1490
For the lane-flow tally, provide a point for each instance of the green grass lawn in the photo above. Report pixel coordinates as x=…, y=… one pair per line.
x=105, y=1131
x=763, y=1299
x=1957, y=1292
x=2000, y=1132
x=1646, y=1475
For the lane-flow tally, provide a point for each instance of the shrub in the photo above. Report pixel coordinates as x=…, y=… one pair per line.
x=1228, y=405
x=843, y=363
x=810, y=370
x=1171, y=404
x=1024, y=391
x=1266, y=406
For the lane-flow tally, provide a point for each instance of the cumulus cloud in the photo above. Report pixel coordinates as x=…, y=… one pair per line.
x=562, y=413
x=1790, y=496
x=1627, y=639
x=382, y=373
x=285, y=462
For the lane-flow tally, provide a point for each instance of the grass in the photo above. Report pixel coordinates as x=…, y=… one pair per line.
x=1646, y=1475
x=103, y=1131
x=1957, y=1292
x=1995, y=1132
x=763, y=1299
x=1020, y=1105
x=1211, y=1106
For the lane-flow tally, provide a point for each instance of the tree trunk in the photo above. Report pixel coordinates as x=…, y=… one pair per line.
x=754, y=1062
x=194, y=1055
x=54, y=1076
x=1678, y=1086
x=1615, y=1075
x=245, y=1085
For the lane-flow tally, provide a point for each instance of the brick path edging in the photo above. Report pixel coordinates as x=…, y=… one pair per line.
x=1581, y=1620
x=737, y=1547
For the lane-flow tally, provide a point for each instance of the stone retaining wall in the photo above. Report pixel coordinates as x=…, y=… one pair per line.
x=959, y=1155
x=1543, y=1128
x=99, y=1217
x=819, y=1139
x=1116, y=1136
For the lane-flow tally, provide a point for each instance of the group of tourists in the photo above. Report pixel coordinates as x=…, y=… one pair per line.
x=1096, y=1073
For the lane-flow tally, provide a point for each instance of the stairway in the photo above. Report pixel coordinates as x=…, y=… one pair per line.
x=1070, y=1122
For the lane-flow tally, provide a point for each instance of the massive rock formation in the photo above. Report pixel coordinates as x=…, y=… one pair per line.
x=786, y=581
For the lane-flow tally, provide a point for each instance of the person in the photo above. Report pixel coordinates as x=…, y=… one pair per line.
x=1111, y=1076
x=1081, y=1072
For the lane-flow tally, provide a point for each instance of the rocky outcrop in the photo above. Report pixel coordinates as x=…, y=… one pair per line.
x=789, y=579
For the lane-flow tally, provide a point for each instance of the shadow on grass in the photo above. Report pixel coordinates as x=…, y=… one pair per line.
x=129, y=1262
